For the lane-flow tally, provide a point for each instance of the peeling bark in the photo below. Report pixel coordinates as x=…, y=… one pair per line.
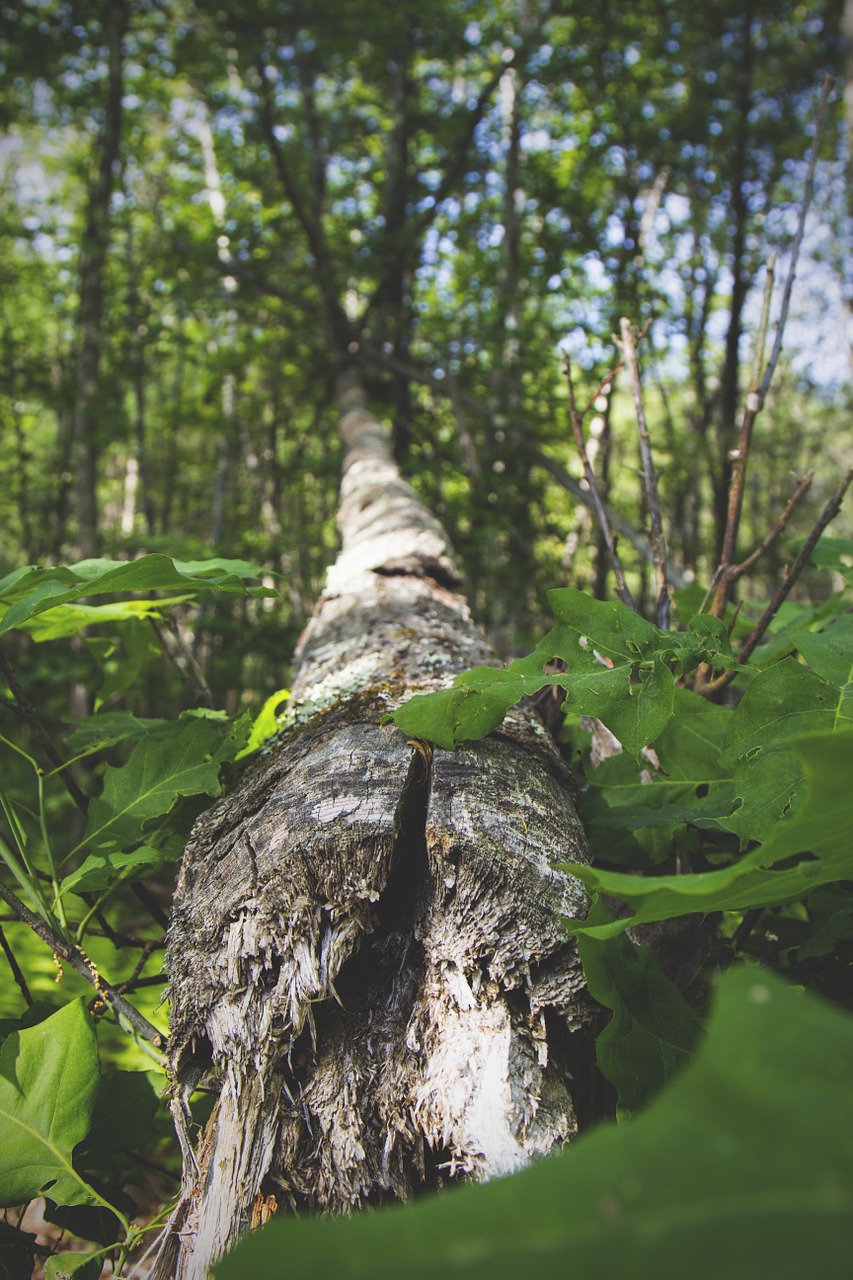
x=366, y=955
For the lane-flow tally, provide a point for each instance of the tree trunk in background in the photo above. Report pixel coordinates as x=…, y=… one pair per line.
x=847, y=274
x=93, y=256
x=740, y=214
x=366, y=954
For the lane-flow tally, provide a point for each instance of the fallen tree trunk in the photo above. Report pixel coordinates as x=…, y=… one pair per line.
x=366, y=954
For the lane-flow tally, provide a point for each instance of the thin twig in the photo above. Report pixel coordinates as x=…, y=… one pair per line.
x=605, y=382
x=150, y=980
x=738, y=570
x=649, y=478
x=798, y=239
x=17, y=972
x=29, y=714
x=758, y=389
x=187, y=668
x=144, y=895
x=726, y=571
x=622, y=590
x=829, y=513
x=77, y=959
x=740, y=459
x=142, y=961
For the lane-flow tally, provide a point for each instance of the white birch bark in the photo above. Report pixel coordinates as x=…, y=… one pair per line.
x=366, y=953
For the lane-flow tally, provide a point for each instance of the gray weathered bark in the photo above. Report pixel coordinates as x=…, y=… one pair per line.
x=366, y=952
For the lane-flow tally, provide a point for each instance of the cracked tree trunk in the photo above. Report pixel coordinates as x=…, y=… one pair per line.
x=366, y=953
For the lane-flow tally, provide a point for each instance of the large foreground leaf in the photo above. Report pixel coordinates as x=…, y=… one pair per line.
x=49, y=1078
x=742, y=1169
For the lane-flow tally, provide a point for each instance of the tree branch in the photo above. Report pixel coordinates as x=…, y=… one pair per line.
x=829, y=513
x=738, y=570
x=77, y=959
x=312, y=227
x=576, y=419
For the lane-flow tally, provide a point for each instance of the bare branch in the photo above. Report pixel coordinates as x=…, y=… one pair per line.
x=603, y=385
x=622, y=589
x=17, y=971
x=740, y=459
x=829, y=513
x=727, y=572
x=738, y=570
x=79, y=962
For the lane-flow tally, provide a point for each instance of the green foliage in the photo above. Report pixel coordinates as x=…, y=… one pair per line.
x=266, y=722
x=157, y=773
x=621, y=670
x=750, y=801
x=653, y=1031
x=819, y=829
x=760, y=1185
x=67, y=1128
x=470, y=220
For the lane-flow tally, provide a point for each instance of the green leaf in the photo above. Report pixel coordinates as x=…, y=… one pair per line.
x=653, y=1031
x=831, y=913
x=829, y=654
x=48, y=1085
x=150, y=783
x=109, y=727
x=830, y=553
x=124, y=1116
x=232, y=743
x=626, y=800
x=783, y=701
x=636, y=712
x=607, y=627
x=100, y=870
x=266, y=722
x=741, y=1168
x=32, y=591
x=69, y=620
x=820, y=827
x=82, y=1266
x=617, y=672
